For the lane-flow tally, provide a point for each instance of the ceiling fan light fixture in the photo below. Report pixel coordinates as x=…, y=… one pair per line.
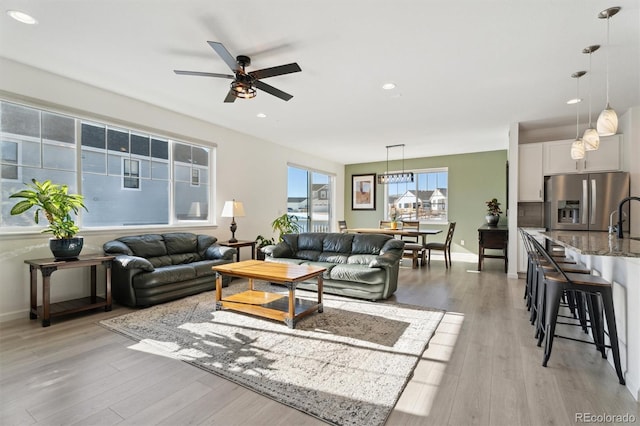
x=243, y=90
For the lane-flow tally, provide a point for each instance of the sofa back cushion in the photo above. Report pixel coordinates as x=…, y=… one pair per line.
x=310, y=245
x=147, y=246
x=336, y=248
x=172, y=248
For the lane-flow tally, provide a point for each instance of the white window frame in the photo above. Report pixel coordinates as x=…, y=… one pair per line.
x=411, y=186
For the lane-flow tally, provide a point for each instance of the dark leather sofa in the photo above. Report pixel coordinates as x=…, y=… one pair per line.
x=358, y=265
x=155, y=268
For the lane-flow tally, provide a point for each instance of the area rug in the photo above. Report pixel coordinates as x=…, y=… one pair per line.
x=345, y=366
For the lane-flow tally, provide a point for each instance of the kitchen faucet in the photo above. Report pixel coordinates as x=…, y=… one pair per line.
x=612, y=229
x=624, y=200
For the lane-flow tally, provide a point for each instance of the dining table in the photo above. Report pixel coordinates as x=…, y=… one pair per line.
x=422, y=233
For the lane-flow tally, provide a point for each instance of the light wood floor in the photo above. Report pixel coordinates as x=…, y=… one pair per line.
x=481, y=368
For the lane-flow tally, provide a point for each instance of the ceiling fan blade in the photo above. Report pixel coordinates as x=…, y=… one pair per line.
x=272, y=90
x=224, y=54
x=204, y=74
x=279, y=70
x=230, y=97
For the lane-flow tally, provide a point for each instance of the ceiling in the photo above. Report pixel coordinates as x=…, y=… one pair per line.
x=464, y=69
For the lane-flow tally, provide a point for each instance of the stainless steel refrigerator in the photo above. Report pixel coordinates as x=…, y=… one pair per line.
x=584, y=202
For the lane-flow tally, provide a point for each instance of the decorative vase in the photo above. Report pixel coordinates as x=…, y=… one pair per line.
x=394, y=225
x=66, y=248
x=492, y=219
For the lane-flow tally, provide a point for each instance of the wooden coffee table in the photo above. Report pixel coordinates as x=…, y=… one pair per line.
x=269, y=305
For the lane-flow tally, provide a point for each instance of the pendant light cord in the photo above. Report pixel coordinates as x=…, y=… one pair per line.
x=607, y=59
x=578, y=108
x=590, y=77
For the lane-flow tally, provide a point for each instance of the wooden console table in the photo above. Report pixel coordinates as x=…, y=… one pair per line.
x=47, y=267
x=238, y=244
x=493, y=237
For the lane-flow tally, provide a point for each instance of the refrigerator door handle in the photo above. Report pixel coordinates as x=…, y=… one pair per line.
x=585, y=199
x=594, y=197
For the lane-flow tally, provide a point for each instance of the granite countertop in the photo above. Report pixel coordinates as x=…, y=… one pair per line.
x=596, y=243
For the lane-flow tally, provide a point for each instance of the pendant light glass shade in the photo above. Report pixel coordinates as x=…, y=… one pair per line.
x=607, y=124
x=577, y=149
x=590, y=138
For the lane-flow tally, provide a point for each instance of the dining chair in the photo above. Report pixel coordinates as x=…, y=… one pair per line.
x=413, y=247
x=342, y=226
x=445, y=247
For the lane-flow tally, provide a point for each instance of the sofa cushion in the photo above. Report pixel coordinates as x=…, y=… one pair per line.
x=181, y=242
x=203, y=267
x=149, y=245
x=361, y=259
x=162, y=276
x=327, y=265
x=358, y=273
x=160, y=261
x=177, y=259
x=368, y=243
x=337, y=243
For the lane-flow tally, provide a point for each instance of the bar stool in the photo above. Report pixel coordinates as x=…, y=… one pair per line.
x=595, y=289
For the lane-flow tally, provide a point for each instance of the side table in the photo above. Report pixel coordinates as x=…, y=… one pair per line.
x=493, y=237
x=238, y=244
x=47, y=267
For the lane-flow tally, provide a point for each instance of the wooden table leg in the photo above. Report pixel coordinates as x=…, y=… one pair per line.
x=33, y=273
x=320, y=290
x=107, y=289
x=218, y=304
x=290, y=321
x=46, y=295
x=94, y=291
x=480, y=254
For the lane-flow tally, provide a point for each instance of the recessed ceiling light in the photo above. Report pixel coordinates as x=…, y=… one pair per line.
x=574, y=101
x=22, y=17
x=388, y=86
x=261, y=115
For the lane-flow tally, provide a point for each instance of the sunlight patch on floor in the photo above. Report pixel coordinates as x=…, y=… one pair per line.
x=421, y=392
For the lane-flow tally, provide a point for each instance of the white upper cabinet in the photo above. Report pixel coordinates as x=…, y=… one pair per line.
x=557, y=157
x=530, y=176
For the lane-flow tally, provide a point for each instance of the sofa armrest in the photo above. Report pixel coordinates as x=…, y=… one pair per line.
x=126, y=261
x=391, y=253
x=220, y=252
x=281, y=249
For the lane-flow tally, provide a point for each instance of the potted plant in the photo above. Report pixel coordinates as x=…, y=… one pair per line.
x=393, y=215
x=493, y=212
x=55, y=202
x=284, y=224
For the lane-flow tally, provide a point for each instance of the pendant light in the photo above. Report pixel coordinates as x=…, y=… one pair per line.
x=607, y=124
x=577, y=147
x=386, y=178
x=590, y=138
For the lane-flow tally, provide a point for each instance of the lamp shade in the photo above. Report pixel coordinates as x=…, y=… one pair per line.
x=577, y=150
x=607, y=124
x=233, y=209
x=591, y=139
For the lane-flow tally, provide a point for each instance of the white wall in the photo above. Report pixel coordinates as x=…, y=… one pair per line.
x=247, y=169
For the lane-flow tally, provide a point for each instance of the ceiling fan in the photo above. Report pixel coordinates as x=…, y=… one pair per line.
x=244, y=83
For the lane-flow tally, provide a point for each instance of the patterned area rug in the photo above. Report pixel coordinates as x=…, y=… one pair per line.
x=345, y=366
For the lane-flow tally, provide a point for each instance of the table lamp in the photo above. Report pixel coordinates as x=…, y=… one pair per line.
x=233, y=209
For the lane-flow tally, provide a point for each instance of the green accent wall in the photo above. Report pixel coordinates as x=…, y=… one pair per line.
x=473, y=179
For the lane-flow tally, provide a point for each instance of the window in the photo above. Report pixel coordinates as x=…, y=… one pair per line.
x=305, y=185
x=9, y=160
x=128, y=177
x=130, y=173
x=425, y=199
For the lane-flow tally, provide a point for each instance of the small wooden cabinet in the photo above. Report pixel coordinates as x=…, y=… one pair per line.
x=496, y=238
x=530, y=176
x=557, y=157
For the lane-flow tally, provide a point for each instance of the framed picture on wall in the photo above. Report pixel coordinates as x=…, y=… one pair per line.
x=363, y=188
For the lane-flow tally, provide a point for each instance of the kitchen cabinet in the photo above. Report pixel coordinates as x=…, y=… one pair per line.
x=557, y=157
x=530, y=176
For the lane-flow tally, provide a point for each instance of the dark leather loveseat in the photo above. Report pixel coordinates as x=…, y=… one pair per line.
x=155, y=268
x=358, y=265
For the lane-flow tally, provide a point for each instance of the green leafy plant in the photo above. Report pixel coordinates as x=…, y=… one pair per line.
x=262, y=241
x=493, y=207
x=55, y=202
x=285, y=224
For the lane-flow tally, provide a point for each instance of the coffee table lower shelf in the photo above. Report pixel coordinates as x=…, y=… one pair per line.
x=269, y=305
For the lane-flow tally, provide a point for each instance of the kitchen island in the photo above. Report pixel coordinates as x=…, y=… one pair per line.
x=618, y=261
